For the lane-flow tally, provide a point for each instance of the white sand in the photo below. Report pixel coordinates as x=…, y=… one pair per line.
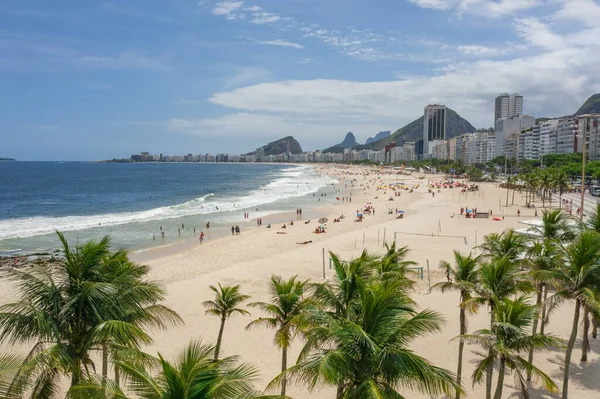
x=251, y=258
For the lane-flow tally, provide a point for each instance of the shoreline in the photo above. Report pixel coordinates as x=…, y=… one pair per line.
x=431, y=228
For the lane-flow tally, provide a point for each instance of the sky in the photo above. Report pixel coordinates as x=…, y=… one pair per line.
x=89, y=80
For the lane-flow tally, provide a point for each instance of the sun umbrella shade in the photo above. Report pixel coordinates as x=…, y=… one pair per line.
x=323, y=220
x=400, y=211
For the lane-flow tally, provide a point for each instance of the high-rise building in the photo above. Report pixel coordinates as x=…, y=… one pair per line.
x=508, y=105
x=590, y=125
x=434, y=125
x=507, y=127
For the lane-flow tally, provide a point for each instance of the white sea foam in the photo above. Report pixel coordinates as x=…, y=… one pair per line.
x=291, y=182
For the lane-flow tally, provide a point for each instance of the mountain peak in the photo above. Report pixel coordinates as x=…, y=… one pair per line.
x=457, y=125
x=349, y=141
x=286, y=144
x=591, y=106
x=378, y=136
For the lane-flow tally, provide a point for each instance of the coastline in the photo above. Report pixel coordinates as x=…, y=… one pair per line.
x=432, y=228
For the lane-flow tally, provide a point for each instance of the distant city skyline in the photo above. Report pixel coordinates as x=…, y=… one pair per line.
x=95, y=79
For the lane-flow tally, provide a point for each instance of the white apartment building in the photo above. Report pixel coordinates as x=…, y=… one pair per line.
x=566, y=136
x=438, y=149
x=548, y=136
x=589, y=125
x=508, y=127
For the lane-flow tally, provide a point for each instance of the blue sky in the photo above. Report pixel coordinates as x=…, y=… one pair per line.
x=85, y=80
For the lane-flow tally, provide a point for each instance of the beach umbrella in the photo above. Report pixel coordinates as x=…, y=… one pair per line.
x=400, y=211
x=469, y=211
x=323, y=220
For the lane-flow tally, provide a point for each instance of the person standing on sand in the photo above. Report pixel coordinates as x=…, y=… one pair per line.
x=232, y=230
x=201, y=237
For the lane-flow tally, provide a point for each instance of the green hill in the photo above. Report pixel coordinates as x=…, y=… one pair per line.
x=591, y=106
x=286, y=144
x=456, y=125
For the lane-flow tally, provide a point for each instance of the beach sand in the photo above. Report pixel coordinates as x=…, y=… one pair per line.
x=427, y=228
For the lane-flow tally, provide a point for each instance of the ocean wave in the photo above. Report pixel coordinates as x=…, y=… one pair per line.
x=291, y=182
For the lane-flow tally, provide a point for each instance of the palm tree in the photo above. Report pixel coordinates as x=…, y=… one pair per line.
x=545, y=183
x=562, y=183
x=369, y=353
x=556, y=225
x=194, y=375
x=507, y=340
x=284, y=310
x=226, y=302
x=506, y=245
x=464, y=277
x=576, y=279
x=593, y=221
x=146, y=312
x=543, y=257
x=393, y=264
x=499, y=279
x=83, y=303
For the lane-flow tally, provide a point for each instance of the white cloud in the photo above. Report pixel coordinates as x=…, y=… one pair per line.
x=434, y=4
x=248, y=75
x=282, y=43
x=538, y=34
x=305, y=60
x=253, y=9
x=264, y=18
x=489, y=8
x=227, y=8
x=477, y=50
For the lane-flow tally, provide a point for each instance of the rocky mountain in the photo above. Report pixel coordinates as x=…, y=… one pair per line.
x=378, y=136
x=456, y=125
x=348, y=142
x=591, y=106
x=286, y=144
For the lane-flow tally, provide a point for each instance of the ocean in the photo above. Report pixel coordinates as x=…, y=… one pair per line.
x=87, y=200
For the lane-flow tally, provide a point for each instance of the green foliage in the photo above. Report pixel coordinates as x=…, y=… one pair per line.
x=193, y=375
x=92, y=299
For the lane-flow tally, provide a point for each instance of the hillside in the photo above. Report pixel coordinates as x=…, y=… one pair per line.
x=457, y=125
x=286, y=144
x=7, y=159
x=378, y=136
x=348, y=142
x=591, y=106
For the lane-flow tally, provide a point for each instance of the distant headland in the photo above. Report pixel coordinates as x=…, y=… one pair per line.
x=6, y=159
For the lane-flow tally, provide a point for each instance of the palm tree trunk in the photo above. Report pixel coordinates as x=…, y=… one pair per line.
x=544, y=310
x=594, y=327
x=498, y=393
x=283, y=368
x=585, y=342
x=219, y=338
x=490, y=369
x=512, y=201
x=461, y=346
x=117, y=376
x=570, y=344
x=104, y=360
x=538, y=301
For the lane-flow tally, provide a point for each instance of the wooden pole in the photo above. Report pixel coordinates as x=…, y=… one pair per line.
x=428, y=276
x=323, y=263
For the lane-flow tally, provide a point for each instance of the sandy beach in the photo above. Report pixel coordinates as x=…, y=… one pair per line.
x=431, y=227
